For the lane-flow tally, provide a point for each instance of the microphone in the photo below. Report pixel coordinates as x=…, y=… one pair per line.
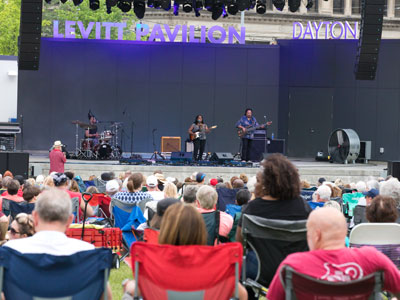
x=154, y=129
x=124, y=111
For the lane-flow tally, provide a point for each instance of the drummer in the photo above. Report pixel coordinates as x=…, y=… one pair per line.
x=92, y=132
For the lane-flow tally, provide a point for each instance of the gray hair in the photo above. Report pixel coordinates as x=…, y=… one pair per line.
x=324, y=192
x=189, y=193
x=207, y=197
x=361, y=186
x=391, y=188
x=373, y=184
x=251, y=184
x=333, y=204
x=54, y=205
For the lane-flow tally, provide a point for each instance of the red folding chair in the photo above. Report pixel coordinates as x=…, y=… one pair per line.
x=104, y=204
x=303, y=287
x=186, y=272
x=151, y=236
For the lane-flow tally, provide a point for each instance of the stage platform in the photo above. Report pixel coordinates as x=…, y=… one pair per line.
x=309, y=169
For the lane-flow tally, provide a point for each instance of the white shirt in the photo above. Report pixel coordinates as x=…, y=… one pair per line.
x=49, y=242
x=157, y=195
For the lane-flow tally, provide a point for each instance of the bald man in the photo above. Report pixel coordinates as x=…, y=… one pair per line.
x=329, y=259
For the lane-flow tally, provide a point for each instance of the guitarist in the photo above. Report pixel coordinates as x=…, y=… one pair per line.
x=244, y=123
x=199, y=142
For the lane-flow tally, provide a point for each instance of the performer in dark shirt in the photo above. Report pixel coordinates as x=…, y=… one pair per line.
x=197, y=132
x=92, y=132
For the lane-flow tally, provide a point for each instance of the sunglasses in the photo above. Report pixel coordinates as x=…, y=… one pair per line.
x=13, y=231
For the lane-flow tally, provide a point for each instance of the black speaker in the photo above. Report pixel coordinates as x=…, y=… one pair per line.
x=16, y=162
x=393, y=168
x=181, y=156
x=29, y=35
x=221, y=157
x=369, y=39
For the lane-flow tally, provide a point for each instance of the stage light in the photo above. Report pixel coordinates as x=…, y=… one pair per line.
x=310, y=4
x=157, y=4
x=261, y=7
x=279, y=4
x=187, y=6
x=216, y=10
x=233, y=8
x=124, y=5
x=48, y=1
x=196, y=12
x=166, y=4
x=244, y=4
x=294, y=5
x=77, y=2
x=176, y=8
x=208, y=4
x=94, y=4
x=150, y=3
x=139, y=8
x=198, y=4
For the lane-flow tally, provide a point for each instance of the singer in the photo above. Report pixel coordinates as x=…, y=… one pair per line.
x=246, y=125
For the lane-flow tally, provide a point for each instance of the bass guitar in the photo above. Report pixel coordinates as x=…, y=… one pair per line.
x=249, y=129
x=196, y=135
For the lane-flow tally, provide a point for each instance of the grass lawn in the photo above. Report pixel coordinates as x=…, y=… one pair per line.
x=116, y=278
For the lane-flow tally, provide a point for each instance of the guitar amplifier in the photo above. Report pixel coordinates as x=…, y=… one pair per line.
x=170, y=144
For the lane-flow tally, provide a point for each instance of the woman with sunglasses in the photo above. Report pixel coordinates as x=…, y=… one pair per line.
x=22, y=227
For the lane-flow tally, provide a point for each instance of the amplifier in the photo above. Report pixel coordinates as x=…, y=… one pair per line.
x=170, y=144
x=181, y=156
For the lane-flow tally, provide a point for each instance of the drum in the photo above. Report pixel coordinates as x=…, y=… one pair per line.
x=86, y=144
x=103, y=150
x=106, y=135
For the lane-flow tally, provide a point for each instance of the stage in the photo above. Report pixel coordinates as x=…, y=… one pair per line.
x=309, y=169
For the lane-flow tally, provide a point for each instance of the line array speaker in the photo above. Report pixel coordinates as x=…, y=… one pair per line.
x=369, y=39
x=29, y=35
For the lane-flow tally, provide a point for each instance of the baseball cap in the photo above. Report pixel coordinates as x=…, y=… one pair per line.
x=112, y=186
x=152, y=181
x=371, y=193
x=200, y=177
x=213, y=181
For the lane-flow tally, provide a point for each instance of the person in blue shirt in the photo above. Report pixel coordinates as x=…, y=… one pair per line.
x=246, y=126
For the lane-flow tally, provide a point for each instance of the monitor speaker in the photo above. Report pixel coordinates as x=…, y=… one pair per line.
x=393, y=168
x=369, y=39
x=221, y=157
x=181, y=156
x=29, y=35
x=16, y=162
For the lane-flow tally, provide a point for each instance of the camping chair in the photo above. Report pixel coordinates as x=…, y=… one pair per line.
x=5, y=206
x=126, y=216
x=104, y=205
x=385, y=237
x=76, y=209
x=100, y=184
x=302, y=287
x=225, y=196
x=20, y=207
x=199, y=272
x=272, y=241
x=212, y=221
x=307, y=194
x=80, y=276
x=359, y=214
x=350, y=200
x=315, y=205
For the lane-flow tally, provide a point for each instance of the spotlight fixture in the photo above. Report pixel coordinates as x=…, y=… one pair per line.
x=279, y=4
x=150, y=3
x=165, y=4
x=233, y=8
x=94, y=4
x=198, y=4
x=48, y=1
x=244, y=4
x=139, y=8
x=187, y=6
x=63, y=1
x=216, y=10
x=294, y=5
x=310, y=4
x=261, y=7
x=124, y=5
x=197, y=12
x=157, y=3
x=77, y=2
x=176, y=8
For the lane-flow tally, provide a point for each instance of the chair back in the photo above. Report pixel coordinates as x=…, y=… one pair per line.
x=225, y=196
x=307, y=194
x=315, y=205
x=272, y=240
x=351, y=200
x=76, y=209
x=5, y=206
x=80, y=276
x=104, y=205
x=199, y=272
x=21, y=207
x=151, y=236
x=359, y=214
x=142, y=204
x=211, y=220
x=302, y=287
x=100, y=184
x=385, y=237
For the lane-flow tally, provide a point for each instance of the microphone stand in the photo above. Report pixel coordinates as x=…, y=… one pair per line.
x=155, y=152
x=265, y=138
x=132, y=124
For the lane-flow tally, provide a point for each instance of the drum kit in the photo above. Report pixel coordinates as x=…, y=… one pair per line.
x=105, y=146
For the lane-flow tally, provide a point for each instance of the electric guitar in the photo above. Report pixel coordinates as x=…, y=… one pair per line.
x=196, y=135
x=249, y=129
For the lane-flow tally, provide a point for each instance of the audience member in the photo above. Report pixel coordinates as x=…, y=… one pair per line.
x=170, y=191
x=189, y=194
x=383, y=209
x=8, y=173
x=21, y=227
x=333, y=204
x=161, y=180
x=233, y=178
x=323, y=193
x=92, y=190
x=329, y=259
x=391, y=188
x=57, y=158
x=70, y=175
x=228, y=185
x=213, y=182
x=244, y=178
x=206, y=198
x=243, y=196
x=305, y=184
x=40, y=180
x=30, y=193
x=251, y=186
x=134, y=193
x=74, y=187
x=48, y=182
x=152, y=188
x=238, y=184
x=336, y=192
x=320, y=181
x=20, y=180
x=13, y=189
x=112, y=187
x=361, y=187
x=372, y=184
x=162, y=206
x=200, y=178
x=107, y=176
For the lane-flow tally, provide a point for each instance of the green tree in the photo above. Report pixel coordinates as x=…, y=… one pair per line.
x=67, y=11
x=10, y=11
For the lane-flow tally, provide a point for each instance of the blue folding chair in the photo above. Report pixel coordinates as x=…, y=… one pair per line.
x=80, y=276
x=315, y=205
x=21, y=207
x=225, y=196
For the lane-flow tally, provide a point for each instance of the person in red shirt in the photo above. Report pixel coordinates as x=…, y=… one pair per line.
x=329, y=259
x=57, y=158
x=12, y=193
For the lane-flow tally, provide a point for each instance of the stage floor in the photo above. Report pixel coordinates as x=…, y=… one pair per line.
x=309, y=169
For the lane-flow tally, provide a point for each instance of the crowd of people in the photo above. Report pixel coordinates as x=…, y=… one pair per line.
x=208, y=211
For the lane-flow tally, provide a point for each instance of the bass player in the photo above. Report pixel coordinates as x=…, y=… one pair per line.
x=197, y=132
x=246, y=125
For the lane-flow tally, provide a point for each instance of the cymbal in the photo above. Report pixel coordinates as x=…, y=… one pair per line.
x=76, y=122
x=86, y=126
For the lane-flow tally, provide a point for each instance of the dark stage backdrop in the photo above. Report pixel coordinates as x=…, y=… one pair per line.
x=318, y=93
x=154, y=85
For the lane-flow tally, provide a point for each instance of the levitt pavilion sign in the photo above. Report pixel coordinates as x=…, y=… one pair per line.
x=163, y=33
x=328, y=30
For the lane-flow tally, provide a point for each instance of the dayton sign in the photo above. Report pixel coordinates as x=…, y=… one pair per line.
x=163, y=33
x=328, y=30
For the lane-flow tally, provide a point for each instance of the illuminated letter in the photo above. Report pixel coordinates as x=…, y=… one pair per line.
x=172, y=35
x=192, y=39
x=69, y=30
x=348, y=28
x=317, y=28
x=241, y=38
x=308, y=31
x=141, y=30
x=295, y=24
x=333, y=30
x=120, y=27
x=85, y=32
x=211, y=35
x=55, y=30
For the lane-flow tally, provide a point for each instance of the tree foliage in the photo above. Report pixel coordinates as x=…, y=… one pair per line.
x=10, y=11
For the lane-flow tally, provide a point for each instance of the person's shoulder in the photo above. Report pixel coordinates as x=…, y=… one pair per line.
x=80, y=245
x=20, y=245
